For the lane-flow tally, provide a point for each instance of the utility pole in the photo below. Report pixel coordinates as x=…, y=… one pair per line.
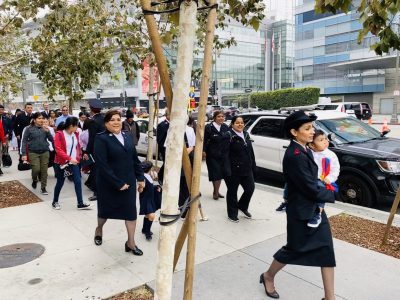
x=394, y=120
x=273, y=59
x=280, y=59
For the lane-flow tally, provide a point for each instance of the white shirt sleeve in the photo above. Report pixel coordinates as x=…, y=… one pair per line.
x=335, y=166
x=191, y=136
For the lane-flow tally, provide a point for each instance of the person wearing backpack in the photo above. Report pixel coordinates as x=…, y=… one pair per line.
x=239, y=169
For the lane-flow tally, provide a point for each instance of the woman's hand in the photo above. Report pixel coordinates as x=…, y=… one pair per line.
x=125, y=187
x=85, y=157
x=24, y=158
x=140, y=186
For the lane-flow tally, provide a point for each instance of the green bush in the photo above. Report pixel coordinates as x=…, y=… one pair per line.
x=285, y=98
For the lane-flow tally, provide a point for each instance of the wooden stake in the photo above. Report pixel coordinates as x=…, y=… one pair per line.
x=198, y=151
x=151, y=109
x=393, y=211
x=175, y=146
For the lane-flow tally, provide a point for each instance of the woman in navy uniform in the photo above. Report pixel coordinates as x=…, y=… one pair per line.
x=213, y=145
x=118, y=168
x=305, y=246
x=239, y=169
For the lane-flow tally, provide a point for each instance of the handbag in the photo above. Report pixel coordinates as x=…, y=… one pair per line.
x=6, y=158
x=67, y=168
x=24, y=166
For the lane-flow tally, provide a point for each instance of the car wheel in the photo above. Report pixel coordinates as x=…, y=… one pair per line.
x=354, y=190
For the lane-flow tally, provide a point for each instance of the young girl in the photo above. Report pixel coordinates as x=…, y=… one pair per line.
x=150, y=200
x=328, y=169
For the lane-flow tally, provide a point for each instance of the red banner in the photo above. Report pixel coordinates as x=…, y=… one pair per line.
x=146, y=77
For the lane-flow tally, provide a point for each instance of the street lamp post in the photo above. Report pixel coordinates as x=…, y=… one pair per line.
x=394, y=119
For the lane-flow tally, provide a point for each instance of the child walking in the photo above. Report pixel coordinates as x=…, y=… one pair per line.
x=150, y=200
x=328, y=169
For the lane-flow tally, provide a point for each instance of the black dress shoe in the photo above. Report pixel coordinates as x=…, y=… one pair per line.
x=246, y=213
x=98, y=240
x=274, y=294
x=220, y=196
x=135, y=251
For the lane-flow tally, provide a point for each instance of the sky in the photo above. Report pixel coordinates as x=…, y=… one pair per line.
x=281, y=9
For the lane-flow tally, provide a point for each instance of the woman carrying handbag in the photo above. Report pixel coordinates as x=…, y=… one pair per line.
x=66, y=162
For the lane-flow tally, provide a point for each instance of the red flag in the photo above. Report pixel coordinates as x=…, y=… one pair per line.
x=273, y=43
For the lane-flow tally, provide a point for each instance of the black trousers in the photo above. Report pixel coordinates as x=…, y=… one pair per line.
x=232, y=203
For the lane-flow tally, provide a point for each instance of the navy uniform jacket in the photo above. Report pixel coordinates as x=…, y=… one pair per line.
x=213, y=140
x=94, y=128
x=162, y=130
x=117, y=165
x=301, y=175
x=239, y=159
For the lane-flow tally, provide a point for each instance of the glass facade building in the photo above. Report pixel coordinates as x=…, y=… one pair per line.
x=325, y=52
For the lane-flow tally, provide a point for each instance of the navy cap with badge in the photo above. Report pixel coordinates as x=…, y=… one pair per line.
x=95, y=103
x=296, y=119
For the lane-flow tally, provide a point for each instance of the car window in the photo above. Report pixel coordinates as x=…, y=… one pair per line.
x=365, y=105
x=143, y=126
x=269, y=128
x=349, y=130
x=249, y=120
x=328, y=107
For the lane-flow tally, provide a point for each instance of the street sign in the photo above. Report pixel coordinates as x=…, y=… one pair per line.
x=396, y=93
x=191, y=95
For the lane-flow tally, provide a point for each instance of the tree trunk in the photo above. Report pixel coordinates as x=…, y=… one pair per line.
x=175, y=143
x=150, y=134
x=198, y=151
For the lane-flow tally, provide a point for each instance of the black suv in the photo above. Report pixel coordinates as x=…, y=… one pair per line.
x=370, y=162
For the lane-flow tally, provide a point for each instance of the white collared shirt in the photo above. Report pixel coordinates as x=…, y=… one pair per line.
x=217, y=126
x=149, y=178
x=241, y=134
x=71, y=142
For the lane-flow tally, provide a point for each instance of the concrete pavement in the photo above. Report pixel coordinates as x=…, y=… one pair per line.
x=229, y=256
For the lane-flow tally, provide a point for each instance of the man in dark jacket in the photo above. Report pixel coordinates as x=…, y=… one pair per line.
x=95, y=127
x=162, y=130
x=21, y=121
x=131, y=126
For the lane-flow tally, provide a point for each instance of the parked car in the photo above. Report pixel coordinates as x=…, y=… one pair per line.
x=360, y=110
x=143, y=143
x=209, y=112
x=230, y=111
x=370, y=162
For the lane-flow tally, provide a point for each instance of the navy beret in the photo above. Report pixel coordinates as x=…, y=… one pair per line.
x=298, y=118
x=95, y=103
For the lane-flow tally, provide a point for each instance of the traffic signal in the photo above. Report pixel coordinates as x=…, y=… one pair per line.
x=192, y=103
x=212, y=88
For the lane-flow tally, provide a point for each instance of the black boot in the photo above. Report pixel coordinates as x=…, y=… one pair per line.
x=149, y=233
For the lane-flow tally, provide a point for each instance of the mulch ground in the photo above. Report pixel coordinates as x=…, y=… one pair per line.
x=365, y=233
x=13, y=193
x=139, y=293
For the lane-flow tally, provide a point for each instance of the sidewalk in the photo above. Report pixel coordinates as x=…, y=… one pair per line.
x=229, y=256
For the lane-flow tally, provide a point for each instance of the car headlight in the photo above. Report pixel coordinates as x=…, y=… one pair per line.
x=389, y=166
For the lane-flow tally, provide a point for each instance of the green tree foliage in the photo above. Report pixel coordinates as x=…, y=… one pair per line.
x=377, y=17
x=285, y=98
x=78, y=40
x=14, y=46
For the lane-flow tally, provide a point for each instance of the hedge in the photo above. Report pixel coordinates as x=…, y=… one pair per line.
x=285, y=98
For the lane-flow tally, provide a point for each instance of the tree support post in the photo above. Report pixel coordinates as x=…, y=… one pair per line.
x=198, y=152
x=393, y=211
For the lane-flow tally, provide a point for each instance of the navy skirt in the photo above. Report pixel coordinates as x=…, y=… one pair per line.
x=307, y=246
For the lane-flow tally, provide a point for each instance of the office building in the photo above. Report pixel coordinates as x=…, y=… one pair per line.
x=328, y=56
